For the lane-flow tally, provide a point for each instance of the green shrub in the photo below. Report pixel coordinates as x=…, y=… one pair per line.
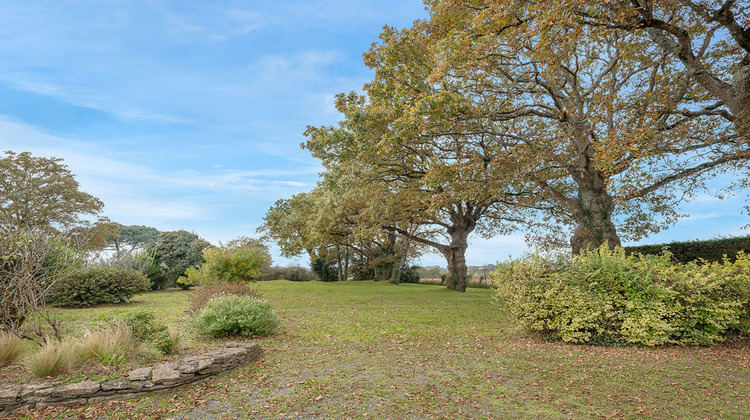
x=11, y=346
x=236, y=315
x=203, y=294
x=607, y=297
x=241, y=262
x=98, y=285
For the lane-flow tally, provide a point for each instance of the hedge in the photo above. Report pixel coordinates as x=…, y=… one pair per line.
x=712, y=250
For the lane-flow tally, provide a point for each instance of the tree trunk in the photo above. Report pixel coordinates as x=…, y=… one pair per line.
x=594, y=213
x=455, y=255
x=339, y=265
x=346, y=264
x=400, y=261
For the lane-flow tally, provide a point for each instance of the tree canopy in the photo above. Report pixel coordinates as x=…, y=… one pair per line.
x=42, y=193
x=135, y=236
x=581, y=122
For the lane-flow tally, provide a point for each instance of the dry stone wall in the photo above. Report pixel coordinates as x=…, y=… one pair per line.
x=144, y=380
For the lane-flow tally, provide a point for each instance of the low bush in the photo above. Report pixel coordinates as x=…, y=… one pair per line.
x=607, y=297
x=236, y=315
x=98, y=285
x=203, y=294
x=50, y=359
x=11, y=346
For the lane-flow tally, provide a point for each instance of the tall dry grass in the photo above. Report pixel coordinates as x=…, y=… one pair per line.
x=50, y=359
x=11, y=346
x=109, y=345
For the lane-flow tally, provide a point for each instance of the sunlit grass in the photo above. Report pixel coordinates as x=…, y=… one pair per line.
x=419, y=351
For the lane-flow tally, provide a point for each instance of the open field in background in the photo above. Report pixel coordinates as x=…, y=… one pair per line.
x=370, y=350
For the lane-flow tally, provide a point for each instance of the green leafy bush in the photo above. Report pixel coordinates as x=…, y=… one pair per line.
x=607, y=297
x=236, y=315
x=98, y=285
x=238, y=262
x=141, y=260
x=175, y=252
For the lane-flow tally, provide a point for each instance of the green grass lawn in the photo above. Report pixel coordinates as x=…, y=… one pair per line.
x=371, y=350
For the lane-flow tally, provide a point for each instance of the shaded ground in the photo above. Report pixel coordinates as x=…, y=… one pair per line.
x=366, y=350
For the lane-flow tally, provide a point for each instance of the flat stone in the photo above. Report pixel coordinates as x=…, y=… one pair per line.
x=222, y=356
x=116, y=384
x=248, y=346
x=141, y=374
x=38, y=390
x=137, y=385
x=170, y=365
x=9, y=394
x=192, y=366
x=211, y=369
x=74, y=390
x=163, y=375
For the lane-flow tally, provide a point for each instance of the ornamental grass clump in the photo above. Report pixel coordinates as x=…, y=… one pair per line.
x=11, y=346
x=607, y=297
x=50, y=359
x=236, y=316
x=109, y=345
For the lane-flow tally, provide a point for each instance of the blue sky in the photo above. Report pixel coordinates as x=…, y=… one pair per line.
x=189, y=114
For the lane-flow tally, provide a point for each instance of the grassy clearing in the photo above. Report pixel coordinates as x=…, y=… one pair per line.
x=367, y=350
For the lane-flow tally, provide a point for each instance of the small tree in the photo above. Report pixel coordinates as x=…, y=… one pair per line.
x=240, y=260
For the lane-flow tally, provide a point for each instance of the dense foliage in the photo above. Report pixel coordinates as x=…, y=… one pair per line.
x=42, y=193
x=607, y=297
x=709, y=250
x=98, y=285
x=175, y=252
x=236, y=315
x=324, y=270
x=238, y=261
